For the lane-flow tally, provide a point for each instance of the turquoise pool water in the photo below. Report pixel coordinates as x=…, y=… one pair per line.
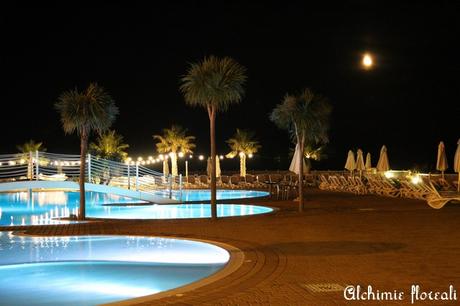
x=90, y=270
x=23, y=208
x=205, y=195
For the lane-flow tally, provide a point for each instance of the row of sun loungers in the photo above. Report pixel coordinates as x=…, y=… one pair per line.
x=386, y=187
x=436, y=192
x=234, y=181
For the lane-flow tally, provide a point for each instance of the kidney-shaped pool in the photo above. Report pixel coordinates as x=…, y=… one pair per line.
x=90, y=270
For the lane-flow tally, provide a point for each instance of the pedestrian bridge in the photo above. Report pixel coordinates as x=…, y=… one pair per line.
x=48, y=171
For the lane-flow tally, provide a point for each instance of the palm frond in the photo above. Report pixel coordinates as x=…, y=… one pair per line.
x=175, y=140
x=216, y=82
x=242, y=141
x=90, y=110
x=305, y=115
x=31, y=146
x=110, y=145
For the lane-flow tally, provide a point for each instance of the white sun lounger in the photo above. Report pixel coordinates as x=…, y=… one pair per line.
x=438, y=199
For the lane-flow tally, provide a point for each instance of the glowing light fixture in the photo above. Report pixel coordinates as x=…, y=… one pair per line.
x=389, y=174
x=416, y=179
x=367, y=61
x=201, y=157
x=181, y=154
x=251, y=155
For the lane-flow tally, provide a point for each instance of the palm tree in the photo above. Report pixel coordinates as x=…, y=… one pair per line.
x=242, y=144
x=214, y=84
x=26, y=148
x=173, y=141
x=306, y=117
x=31, y=146
x=110, y=146
x=83, y=112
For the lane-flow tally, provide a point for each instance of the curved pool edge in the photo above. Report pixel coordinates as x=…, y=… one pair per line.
x=100, y=219
x=89, y=220
x=235, y=261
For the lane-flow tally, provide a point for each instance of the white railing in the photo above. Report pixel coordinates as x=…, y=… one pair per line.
x=60, y=167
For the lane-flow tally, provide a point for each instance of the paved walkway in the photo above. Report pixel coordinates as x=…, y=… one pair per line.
x=340, y=239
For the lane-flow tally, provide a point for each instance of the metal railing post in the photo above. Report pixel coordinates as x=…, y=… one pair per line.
x=137, y=176
x=89, y=167
x=129, y=177
x=180, y=187
x=170, y=186
x=37, y=162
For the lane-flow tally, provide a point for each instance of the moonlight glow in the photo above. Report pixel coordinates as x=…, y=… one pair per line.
x=367, y=61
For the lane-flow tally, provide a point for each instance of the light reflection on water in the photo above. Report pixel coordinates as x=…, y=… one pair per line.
x=40, y=208
x=89, y=270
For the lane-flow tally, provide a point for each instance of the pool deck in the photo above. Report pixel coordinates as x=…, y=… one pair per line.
x=343, y=239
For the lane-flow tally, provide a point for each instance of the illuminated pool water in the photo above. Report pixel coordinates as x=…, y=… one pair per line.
x=190, y=195
x=90, y=270
x=22, y=208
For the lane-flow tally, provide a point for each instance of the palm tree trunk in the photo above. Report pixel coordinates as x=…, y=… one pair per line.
x=174, y=164
x=300, y=157
x=212, y=121
x=243, y=165
x=81, y=180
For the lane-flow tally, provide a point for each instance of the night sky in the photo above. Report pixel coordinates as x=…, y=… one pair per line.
x=408, y=101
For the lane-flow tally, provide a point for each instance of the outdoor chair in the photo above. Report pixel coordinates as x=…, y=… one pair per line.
x=414, y=191
x=288, y=188
x=344, y=185
x=445, y=185
x=336, y=185
x=324, y=183
x=261, y=180
x=190, y=182
x=251, y=181
x=359, y=185
x=275, y=178
x=437, y=199
x=203, y=181
x=235, y=182
x=225, y=181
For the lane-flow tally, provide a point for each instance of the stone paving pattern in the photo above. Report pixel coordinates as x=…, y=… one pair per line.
x=389, y=243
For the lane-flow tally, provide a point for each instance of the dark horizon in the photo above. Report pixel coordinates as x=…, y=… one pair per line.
x=138, y=53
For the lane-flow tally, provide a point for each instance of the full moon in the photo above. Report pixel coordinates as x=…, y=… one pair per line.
x=367, y=61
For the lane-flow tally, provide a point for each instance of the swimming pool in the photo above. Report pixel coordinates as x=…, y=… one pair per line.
x=37, y=208
x=190, y=195
x=90, y=270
